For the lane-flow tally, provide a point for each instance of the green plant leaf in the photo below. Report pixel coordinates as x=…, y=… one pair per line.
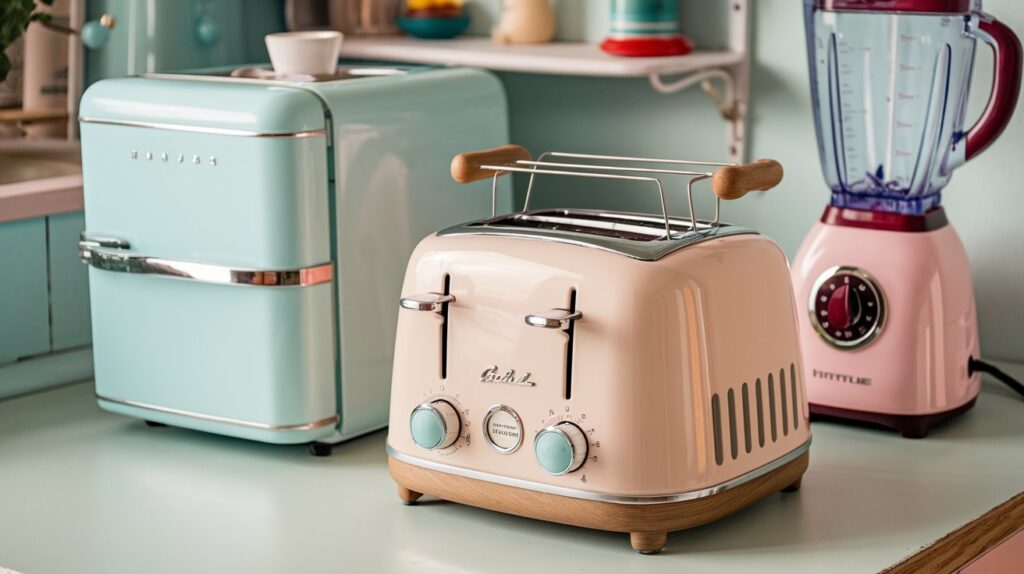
x=5, y=66
x=15, y=16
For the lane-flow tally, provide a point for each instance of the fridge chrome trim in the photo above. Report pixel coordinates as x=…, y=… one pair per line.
x=117, y=260
x=204, y=130
x=600, y=496
x=224, y=420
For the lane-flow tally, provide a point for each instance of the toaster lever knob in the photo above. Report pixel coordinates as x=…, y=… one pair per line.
x=561, y=448
x=426, y=302
x=553, y=319
x=435, y=425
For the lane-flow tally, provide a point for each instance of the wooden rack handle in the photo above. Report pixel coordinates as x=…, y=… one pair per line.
x=466, y=166
x=734, y=181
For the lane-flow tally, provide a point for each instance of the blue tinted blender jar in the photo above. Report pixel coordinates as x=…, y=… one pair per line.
x=889, y=84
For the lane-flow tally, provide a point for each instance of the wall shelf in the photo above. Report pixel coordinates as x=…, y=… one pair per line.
x=563, y=58
x=667, y=75
x=19, y=115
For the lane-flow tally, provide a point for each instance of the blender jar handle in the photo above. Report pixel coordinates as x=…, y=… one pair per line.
x=1005, y=84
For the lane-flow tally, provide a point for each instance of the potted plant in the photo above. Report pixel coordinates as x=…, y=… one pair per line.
x=15, y=16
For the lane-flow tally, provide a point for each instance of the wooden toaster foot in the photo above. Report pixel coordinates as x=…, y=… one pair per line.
x=648, y=542
x=795, y=486
x=408, y=496
x=647, y=524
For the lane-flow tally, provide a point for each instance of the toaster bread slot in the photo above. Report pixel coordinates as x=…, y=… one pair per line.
x=565, y=320
x=571, y=331
x=437, y=303
x=444, y=328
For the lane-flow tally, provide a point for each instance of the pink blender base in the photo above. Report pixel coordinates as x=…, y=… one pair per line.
x=914, y=373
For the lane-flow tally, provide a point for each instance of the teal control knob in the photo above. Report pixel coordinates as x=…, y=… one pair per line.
x=95, y=33
x=435, y=425
x=560, y=448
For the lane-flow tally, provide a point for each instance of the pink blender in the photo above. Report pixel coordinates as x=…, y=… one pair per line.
x=890, y=332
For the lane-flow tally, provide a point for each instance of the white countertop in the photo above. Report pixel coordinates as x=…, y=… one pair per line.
x=83, y=491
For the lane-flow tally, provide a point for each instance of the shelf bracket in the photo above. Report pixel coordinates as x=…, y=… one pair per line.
x=731, y=107
x=726, y=104
x=732, y=104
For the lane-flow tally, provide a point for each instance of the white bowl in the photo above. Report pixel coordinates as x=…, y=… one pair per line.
x=312, y=52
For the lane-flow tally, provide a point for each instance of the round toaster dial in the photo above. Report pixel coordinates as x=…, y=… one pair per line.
x=847, y=307
x=435, y=425
x=561, y=448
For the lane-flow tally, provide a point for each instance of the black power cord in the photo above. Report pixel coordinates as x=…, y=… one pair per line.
x=981, y=366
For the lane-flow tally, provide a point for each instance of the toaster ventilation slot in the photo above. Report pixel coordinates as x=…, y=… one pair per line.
x=785, y=406
x=733, y=442
x=444, y=328
x=569, y=344
x=779, y=412
x=746, y=418
x=792, y=388
x=716, y=422
x=760, y=414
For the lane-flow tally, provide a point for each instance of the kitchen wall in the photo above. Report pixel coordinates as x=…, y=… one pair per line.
x=984, y=200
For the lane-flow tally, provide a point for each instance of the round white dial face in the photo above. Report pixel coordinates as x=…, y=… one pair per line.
x=503, y=429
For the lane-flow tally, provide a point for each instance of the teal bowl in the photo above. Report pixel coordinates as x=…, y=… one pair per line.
x=434, y=28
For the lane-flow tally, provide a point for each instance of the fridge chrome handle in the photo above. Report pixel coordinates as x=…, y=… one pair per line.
x=426, y=302
x=108, y=254
x=87, y=242
x=553, y=319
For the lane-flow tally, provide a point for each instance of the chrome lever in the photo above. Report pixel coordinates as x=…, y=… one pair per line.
x=553, y=319
x=426, y=302
x=86, y=243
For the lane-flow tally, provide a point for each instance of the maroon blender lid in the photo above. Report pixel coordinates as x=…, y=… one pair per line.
x=929, y=6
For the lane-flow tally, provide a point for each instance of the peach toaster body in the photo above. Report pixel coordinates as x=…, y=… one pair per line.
x=615, y=371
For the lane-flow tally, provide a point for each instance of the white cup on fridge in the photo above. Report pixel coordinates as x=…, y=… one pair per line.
x=313, y=52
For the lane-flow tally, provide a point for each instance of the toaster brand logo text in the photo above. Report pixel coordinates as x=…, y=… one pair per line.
x=509, y=377
x=839, y=377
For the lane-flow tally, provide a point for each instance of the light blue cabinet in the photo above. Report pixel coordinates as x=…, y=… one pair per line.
x=45, y=328
x=24, y=302
x=69, y=284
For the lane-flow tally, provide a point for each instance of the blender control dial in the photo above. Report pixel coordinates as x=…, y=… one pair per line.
x=847, y=307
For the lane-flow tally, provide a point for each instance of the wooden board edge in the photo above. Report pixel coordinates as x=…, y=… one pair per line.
x=615, y=517
x=955, y=550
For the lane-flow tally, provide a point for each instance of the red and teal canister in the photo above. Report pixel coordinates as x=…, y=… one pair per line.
x=645, y=28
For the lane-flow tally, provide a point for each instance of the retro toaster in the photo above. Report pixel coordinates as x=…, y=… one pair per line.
x=616, y=371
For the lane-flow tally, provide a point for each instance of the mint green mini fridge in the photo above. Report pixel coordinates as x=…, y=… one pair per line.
x=247, y=237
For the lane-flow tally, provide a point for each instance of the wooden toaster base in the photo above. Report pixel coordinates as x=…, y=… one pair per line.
x=648, y=525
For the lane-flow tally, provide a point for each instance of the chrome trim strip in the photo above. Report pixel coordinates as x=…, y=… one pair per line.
x=117, y=260
x=601, y=497
x=224, y=420
x=204, y=130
